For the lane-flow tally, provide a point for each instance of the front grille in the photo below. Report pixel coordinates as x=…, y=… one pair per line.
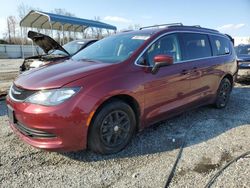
x=32, y=132
x=20, y=94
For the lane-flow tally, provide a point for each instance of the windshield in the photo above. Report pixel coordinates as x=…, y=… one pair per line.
x=243, y=50
x=113, y=49
x=71, y=47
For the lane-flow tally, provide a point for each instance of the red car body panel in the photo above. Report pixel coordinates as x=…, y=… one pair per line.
x=66, y=121
x=172, y=90
x=56, y=76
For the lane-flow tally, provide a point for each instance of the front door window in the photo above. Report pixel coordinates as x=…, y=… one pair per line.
x=167, y=45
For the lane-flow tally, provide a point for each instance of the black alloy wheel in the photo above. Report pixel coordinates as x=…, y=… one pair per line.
x=115, y=128
x=223, y=93
x=112, y=128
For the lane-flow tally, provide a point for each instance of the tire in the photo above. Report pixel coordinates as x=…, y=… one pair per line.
x=112, y=128
x=223, y=94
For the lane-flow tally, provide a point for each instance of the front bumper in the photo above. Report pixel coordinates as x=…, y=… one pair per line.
x=55, y=128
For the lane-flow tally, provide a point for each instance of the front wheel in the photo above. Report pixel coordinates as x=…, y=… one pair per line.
x=223, y=93
x=112, y=128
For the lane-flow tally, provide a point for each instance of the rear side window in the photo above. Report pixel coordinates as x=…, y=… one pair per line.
x=221, y=45
x=195, y=46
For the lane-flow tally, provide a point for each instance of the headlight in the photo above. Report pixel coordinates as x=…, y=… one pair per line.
x=52, y=97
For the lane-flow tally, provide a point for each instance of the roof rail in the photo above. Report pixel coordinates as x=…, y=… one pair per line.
x=167, y=25
x=177, y=25
x=196, y=26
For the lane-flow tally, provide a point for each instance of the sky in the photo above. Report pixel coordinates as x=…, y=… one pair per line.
x=227, y=16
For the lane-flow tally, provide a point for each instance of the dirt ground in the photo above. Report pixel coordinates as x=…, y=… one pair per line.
x=212, y=138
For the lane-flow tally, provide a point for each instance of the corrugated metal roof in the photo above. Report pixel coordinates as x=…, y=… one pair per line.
x=44, y=20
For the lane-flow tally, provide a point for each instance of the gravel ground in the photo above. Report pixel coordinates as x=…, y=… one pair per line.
x=244, y=75
x=8, y=72
x=214, y=137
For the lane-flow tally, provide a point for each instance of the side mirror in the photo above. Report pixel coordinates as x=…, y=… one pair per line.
x=161, y=61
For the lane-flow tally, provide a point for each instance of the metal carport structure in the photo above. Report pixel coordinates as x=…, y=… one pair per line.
x=56, y=22
x=44, y=20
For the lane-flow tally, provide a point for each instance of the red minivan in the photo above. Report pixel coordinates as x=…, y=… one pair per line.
x=121, y=84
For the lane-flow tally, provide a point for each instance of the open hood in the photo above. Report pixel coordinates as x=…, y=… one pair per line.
x=45, y=42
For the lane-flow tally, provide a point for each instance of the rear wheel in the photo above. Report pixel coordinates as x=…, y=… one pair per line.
x=223, y=93
x=112, y=128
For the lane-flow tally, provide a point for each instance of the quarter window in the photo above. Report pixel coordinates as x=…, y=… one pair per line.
x=195, y=46
x=221, y=45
